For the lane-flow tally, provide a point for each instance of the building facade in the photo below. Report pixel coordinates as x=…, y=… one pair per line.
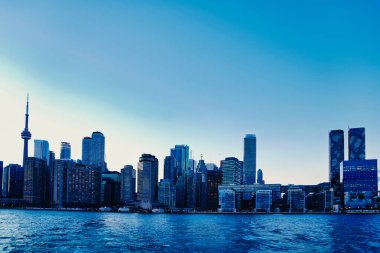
x=336, y=157
x=356, y=144
x=128, y=184
x=147, y=178
x=263, y=200
x=65, y=151
x=232, y=170
x=36, y=178
x=166, y=194
x=41, y=150
x=249, y=170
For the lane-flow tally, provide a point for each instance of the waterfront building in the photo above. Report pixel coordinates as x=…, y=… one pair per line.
x=263, y=200
x=356, y=143
x=147, y=180
x=128, y=184
x=336, y=157
x=170, y=169
x=110, y=189
x=181, y=155
x=36, y=179
x=249, y=169
x=41, y=150
x=360, y=183
x=93, y=151
x=201, y=186
x=296, y=200
x=51, y=176
x=232, y=171
x=26, y=135
x=260, y=177
x=227, y=200
x=214, y=179
x=245, y=195
x=190, y=181
x=76, y=185
x=319, y=201
x=13, y=181
x=65, y=151
x=166, y=194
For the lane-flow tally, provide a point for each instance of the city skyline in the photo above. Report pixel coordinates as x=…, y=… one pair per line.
x=286, y=93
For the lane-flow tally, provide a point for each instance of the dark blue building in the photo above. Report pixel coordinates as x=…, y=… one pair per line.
x=1, y=178
x=336, y=157
x=356, y=143
x=13, y=181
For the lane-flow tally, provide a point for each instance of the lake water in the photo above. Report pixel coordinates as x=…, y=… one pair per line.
x=56, y=231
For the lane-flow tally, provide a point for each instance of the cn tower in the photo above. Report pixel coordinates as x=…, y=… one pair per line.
x=26, y=135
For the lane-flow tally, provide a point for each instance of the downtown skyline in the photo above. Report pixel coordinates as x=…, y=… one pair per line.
x=290, y=93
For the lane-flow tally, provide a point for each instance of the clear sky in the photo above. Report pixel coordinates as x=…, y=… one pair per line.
x=152, y=74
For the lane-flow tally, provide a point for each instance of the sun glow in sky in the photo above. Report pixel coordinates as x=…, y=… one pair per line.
x=153, y=74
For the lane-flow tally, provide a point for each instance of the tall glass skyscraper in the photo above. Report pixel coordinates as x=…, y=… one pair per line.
x=170, y=169
x=181, y=155
x=93, y=150
x=356, y=143
x=128, y=184
x=249, y=167
x=65, y=151
x=147, y=178
x=231, y=169
x=260, y=177
x=41, y=150
x=336, y=157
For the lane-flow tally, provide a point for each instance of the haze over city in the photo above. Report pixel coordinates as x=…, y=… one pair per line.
x=152, y=75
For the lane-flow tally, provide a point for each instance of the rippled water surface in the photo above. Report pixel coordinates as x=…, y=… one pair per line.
x=55, y=231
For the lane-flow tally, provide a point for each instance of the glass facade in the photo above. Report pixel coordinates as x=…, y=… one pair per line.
x=336, y=157
x=128, y=184
x=232, y=170
x=41, y=150
x=356, y=145
x=147, y=177
x=249, y=170
x=65, y=151
x=263, y=200
x=227, y=200
x=296, y=200
x=36, y=178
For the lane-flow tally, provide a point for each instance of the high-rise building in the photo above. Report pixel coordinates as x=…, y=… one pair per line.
x=360, y=183
x=26, y=135
x=249, y=169
x=260, y=178
x=13, y=181
x=110, y=189
x=336, y=157
x=166, y=194
x=65, y=151
x=93, y=151
x=214, y=179
x=201, y=185
x=263, y=200
x=36, y=182
x=231, y=168
x=86, y=150
x=147, y=178
x=181, y=155
x=41, y=150
x=51, y=176
x=356, y=143
x=128, y=184
x=76, y=185
x=170, y=169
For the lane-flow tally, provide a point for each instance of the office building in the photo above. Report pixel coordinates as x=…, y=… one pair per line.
x=170, y=169
x=86, y=150
x=128, y=184
x=65, y=151
x=214, y=179
x=249, y=169
x=319, y=201
x=336, y=157
x=93, y=151
x=227, y=200
x=147, y=178
x=356, y=143
x=36, y=178
x=181, y=155
x=263, y=200
x=232, y=170
x=110, y=189
x=166, y=194
x=296, y=200
x=26, y=135
x=200, y=188
x=13, y=181
x=360, y=183
x=260, y=177
x=41, y=150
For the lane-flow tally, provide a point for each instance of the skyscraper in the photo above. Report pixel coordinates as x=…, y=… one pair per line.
x=13, y=181
x=260, y=177
x=356, y=143
x=336, y=157
x=65, y=151
x=166, y=194
x=36, y=182
x=231, y=169
x=93, y=150
x=181, y=155
x=41, y=150
x=147, y=178
x=128, y=184
x=214, y=179
x=249, y=169
x=26, y=135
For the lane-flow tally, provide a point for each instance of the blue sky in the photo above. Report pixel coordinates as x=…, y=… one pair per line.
x=152, y=74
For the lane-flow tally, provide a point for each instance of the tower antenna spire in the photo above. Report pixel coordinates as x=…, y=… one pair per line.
x=26, y=135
